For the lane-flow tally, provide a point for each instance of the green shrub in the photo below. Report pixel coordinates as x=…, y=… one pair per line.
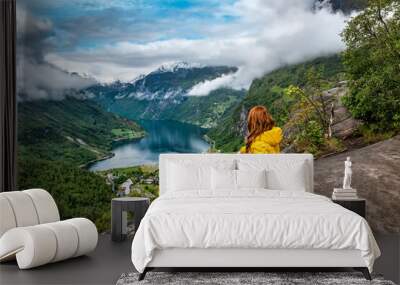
x=372, y=133
x=372, y=61
x=311, y=138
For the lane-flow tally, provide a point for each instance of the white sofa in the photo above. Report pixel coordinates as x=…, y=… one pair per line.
x=31, y=231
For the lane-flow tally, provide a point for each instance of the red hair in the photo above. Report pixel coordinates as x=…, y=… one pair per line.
x=258, y=121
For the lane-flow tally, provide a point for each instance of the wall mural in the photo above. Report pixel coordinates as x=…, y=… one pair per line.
x=105, y=86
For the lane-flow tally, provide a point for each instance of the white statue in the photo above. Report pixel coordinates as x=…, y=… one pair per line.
x=347, y=174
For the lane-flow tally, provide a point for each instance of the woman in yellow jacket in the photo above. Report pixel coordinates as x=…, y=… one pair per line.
x=263, y=136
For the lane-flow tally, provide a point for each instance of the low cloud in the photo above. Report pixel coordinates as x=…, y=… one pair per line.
x=256, y=36
x=264, y=36
x=206, y=87
x=37, y=78
x=44, y=81
x=289, y=33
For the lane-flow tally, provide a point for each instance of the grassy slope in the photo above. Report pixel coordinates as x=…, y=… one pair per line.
x=70, y=130
x=268, y=91
x=204, y=111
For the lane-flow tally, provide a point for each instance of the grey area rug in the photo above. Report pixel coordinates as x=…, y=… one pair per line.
x=229, y=278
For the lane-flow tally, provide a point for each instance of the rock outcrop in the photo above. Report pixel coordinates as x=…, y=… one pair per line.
x=376, y=176
x=343, y=124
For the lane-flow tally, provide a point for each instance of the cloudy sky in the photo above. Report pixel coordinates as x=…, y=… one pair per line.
x=108, y=40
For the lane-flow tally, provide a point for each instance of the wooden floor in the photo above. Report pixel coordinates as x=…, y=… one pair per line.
x=110, y=260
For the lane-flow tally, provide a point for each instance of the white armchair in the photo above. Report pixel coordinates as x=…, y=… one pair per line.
x=31, y=230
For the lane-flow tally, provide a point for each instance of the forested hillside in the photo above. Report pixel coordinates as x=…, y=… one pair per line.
x=72, y=130
x=205, y=111
x=77, y=192
x=270, y=92
x=372, y=61
x=54, y=139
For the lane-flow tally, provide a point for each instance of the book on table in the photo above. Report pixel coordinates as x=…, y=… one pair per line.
x=344, y=194
x=342, y=190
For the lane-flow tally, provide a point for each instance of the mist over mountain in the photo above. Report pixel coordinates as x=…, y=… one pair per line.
x=168, y=82
x=121, y=42
x=37, y=78
x=165, y=93
x=229, y=56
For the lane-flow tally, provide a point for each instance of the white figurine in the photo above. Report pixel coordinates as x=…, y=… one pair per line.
x=347, y=174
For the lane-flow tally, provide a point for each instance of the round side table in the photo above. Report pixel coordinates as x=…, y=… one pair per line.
x=119, y=209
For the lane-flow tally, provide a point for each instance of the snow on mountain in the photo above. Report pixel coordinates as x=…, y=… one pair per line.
x=168, y=85
x=174, y=66
x=164, y=94
x=140, y=77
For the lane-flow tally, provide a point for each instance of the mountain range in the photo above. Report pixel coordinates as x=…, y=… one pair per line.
x=164, y=94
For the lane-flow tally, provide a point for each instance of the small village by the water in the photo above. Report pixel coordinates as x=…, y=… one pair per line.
x=137, y=181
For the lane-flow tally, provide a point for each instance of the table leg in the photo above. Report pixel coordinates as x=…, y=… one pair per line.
x=116, y=221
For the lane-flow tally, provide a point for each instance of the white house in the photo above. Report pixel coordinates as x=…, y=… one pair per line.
x=126, y=186
x=148, y=181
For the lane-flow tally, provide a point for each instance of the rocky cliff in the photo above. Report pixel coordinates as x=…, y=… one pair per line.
x=376, y=176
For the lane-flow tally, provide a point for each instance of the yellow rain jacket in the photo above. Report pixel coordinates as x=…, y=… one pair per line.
x=267, y=142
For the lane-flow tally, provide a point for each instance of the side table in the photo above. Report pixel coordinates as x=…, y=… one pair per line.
x=358, y=206
x=119, y=209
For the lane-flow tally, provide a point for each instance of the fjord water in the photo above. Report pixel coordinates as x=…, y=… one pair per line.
x=161, y=137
